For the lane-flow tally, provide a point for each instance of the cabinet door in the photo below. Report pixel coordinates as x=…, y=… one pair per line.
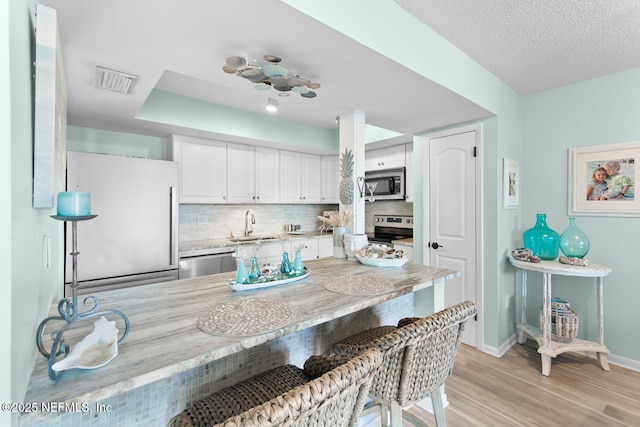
x=311, y=176
x=203, y=171
x=330, y=179
x=394, y=157
x=267, y=175
x=325, y=246
x=385, y=158
x=290, y=172
x=241, y=173
x=408, y=183
x=309, y=252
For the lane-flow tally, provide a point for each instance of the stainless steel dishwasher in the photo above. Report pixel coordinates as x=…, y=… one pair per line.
x=209, y=261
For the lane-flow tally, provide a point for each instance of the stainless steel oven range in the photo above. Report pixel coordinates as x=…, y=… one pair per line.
x=388, y=228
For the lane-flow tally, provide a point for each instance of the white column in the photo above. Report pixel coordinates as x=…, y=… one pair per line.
x=351, y=137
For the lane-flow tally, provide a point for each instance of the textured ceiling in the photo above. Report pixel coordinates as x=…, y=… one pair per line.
x=534, y=45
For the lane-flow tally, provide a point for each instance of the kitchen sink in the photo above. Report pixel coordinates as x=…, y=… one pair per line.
x=253, y=238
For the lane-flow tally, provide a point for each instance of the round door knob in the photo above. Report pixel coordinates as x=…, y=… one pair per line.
x=435, y=245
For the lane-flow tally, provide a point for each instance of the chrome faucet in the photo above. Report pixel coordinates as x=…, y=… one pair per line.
x=248, y=229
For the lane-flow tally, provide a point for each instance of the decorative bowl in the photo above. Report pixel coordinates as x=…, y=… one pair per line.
x=382, y=262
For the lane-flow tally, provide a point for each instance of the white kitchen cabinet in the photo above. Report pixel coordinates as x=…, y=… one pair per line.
x=325, y=246
x=385, y=158
x=271, y=252
x=203, y=169
x=310, y=251
x=252, y=174
x=330, y=179
x=408, y=183
x=407, y=248
x=300, y=177
x=267, y=175
x=241, y=173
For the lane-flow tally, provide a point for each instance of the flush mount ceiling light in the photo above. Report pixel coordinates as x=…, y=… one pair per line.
x=116, y=81
x=270, y=75
x=272, y=105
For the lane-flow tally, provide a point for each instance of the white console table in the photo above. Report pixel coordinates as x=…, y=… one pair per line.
x=546, y=347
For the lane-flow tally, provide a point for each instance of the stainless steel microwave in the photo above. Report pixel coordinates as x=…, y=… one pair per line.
x=388, y=184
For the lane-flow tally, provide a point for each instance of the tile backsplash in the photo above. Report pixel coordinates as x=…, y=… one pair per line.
x=202, y=222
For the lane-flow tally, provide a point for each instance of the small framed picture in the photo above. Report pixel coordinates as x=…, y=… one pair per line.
x=510, y=184
x=602, y=180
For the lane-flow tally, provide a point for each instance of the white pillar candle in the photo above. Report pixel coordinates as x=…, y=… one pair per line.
x=74, y=203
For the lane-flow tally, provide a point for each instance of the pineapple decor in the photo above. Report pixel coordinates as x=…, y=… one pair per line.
x=346, y=179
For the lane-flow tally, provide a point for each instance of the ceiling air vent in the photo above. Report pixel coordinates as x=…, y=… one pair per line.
x=114, y=80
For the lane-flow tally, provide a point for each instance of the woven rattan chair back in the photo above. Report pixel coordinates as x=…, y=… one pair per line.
x=330, y=393
x=418, y=357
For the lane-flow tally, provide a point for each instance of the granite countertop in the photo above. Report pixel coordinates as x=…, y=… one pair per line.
x=164, y=339
x=406, y=242
x=207, y=246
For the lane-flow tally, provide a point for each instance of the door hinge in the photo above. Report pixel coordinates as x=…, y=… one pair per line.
x=475, y=154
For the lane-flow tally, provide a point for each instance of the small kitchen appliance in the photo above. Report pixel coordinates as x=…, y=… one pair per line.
x=386, y=184
x=388, y=228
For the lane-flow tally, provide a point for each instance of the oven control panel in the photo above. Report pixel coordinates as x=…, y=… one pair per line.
x=398, y=221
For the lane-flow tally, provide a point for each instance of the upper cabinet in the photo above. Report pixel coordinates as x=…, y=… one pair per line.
x=300, y=177
x=252, y=174
x=385, y=158
x=203, y=169
x=330, y=179
x=215, y=172
x=408, y=182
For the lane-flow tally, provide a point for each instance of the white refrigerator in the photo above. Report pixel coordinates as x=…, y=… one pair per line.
x=134, y=238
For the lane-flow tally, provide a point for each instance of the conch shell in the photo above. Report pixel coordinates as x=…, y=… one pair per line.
x=95, y=350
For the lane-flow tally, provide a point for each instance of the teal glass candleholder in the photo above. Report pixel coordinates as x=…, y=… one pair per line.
x=241, y=274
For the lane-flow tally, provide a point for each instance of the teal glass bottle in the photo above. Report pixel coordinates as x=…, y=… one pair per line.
x=254, y=271
x=298, y=267
x=241, y=274
x=543, y=241
x=285, y=266
x=573, y=242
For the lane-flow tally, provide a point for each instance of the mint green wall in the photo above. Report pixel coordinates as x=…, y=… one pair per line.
x=120, y=143
x=408, y=42
x=29, y=287
x=165, y=107
x=600, y=111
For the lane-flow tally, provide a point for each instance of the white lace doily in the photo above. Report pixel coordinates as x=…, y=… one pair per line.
x=359, y=285
x=247, y=317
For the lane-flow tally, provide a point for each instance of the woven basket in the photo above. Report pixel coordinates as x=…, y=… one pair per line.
x=564, y=321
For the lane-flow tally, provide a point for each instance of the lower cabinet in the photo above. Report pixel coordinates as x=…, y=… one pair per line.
x=408, y=250
x=316, y=247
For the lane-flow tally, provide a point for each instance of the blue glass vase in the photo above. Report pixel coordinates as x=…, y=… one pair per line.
x=573, y=242
x=543, y=241
x=298, y=267
x=241, y=274
x=254, y=271
x=285, y=266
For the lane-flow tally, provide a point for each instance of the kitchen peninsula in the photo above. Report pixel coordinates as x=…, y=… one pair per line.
x=165, y=342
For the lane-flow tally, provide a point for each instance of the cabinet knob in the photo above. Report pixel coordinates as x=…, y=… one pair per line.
x=258, y=197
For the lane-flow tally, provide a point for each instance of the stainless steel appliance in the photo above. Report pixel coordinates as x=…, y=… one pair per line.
x=134, y=238
x=387, y=184
x=211, y=261
x=388, y=228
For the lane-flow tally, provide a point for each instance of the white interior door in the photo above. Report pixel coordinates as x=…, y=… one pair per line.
x=451, y=233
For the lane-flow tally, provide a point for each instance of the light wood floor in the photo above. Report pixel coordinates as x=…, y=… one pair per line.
x=511, y=391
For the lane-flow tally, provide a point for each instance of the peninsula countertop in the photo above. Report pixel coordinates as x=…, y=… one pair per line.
x=164, y=339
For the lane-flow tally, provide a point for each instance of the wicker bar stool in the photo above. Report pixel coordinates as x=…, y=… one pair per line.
x=327, y=392
x=418, y=357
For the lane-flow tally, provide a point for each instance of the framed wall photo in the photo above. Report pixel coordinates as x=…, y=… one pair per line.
x=510, y=184
x=602, y=180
